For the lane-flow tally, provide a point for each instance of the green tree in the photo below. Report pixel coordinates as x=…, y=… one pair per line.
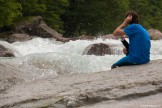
x=52, y=16
x=93, y=17
x=155, y=18
x=150, y=12
x=32, y=7
x=9, y=10
x=141, y=7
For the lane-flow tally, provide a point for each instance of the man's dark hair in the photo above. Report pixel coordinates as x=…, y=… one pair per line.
x=135, y=17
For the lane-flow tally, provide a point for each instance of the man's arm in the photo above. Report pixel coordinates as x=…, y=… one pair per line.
x=119, y=30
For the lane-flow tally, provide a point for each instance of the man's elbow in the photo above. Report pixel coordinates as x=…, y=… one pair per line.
x=117, y=33
x=114, y=33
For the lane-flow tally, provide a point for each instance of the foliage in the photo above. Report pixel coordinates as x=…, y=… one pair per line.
x=150, y=12
x=93, y=17
x=9, y=10
x=155, y=13
x=81, y=17
x=32, y=7
x=52, y=16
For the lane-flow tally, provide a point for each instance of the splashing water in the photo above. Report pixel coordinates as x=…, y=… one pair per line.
x=46, y=57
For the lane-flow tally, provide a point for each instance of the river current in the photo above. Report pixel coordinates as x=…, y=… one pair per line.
x=47, y=57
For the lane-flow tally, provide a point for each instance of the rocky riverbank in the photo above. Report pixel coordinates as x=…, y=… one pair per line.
x=79, y=90
x=20, y=89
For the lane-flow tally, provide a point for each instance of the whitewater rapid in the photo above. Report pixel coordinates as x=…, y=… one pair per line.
x=46, y=57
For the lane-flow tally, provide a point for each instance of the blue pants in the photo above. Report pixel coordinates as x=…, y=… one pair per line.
x=125, y=61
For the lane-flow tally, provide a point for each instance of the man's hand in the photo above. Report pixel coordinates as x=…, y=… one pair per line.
x=128, y=19
x=119, y=30
x=125, y=51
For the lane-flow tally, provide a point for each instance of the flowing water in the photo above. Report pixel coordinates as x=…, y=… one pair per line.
x=39, y=58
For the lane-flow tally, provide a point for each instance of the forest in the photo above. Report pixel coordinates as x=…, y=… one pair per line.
x=73, y=18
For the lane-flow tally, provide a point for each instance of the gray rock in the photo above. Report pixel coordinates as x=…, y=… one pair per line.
x=98, y=49
x=152, y=101
x=57, y=106
x=37, y=27
x=155, y=34
x=123, y=83
x=18, y=37
x=5, y=52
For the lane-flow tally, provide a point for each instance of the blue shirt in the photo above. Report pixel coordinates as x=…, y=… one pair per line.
x=139, y=44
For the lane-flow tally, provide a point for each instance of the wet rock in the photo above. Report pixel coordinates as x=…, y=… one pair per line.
x=98, y=49
x=18, y=37
x=155, y=34
x=5, y=52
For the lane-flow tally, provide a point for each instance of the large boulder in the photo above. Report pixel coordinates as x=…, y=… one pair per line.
x=37, y=27
x=155, y=34
x=83, y=90
x=99, y=49
x=18, y=37
x=5, y=52
x=28, y=26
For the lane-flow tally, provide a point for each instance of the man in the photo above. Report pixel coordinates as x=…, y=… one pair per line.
x=139, y=41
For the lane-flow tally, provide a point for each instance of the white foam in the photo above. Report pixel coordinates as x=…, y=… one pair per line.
x=55, y=57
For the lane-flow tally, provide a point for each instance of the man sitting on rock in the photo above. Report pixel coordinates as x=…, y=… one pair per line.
x=139, y=41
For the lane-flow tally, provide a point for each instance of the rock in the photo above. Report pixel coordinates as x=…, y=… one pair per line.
x=27, y=25
x=99, y=49
x=155, y=34
x=39, y=28
x=5, y=52
x=46, y=32
x=123, y=83
x=71, y=104
x=152, y=101
x=18, y=37
x=57, y=106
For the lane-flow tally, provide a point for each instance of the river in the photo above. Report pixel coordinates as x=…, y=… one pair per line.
x=42, y=57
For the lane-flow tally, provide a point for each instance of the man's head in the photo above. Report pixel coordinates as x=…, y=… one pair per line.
x=135, y=17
